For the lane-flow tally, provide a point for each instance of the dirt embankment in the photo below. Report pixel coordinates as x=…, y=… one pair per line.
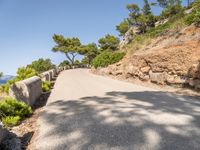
x=172, y=59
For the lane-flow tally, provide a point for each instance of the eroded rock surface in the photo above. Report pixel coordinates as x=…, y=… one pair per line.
x=170, y=59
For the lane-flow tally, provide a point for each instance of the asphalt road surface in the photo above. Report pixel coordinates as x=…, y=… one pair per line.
x=90, y=112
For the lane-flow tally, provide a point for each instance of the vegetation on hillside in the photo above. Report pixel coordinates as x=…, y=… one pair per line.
x=173, y=11
x=13, y=111
x=41, y=65
x=71, y=47
x=106, y=58
x=1, y=74
x=194, y=16
x=109, y=42
x=64, y=63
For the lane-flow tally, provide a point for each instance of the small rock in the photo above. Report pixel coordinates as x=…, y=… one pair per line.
x=159, y=78
x=145, y=69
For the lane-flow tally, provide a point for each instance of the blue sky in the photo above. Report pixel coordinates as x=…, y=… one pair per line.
x=27, y=26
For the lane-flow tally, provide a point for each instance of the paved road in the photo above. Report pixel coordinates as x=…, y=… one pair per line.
x=89, y=112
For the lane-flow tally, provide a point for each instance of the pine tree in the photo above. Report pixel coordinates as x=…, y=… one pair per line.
x=147, y=8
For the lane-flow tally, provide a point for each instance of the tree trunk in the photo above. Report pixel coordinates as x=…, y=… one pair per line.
x=72, y=58
x=69, y=58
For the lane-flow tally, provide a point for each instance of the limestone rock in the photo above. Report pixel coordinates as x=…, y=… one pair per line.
x=145, y=69
x=129, y=36
x=159, y=78
x=194, y=71
x=194, y=83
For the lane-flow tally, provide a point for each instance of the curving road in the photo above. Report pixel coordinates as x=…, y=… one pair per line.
x=89, y=112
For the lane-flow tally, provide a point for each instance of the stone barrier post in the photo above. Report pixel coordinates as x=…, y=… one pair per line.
x=28, y=90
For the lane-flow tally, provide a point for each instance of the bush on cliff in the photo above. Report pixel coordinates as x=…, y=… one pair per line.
x=13, y=111
x=106, y=58
x=193, y=17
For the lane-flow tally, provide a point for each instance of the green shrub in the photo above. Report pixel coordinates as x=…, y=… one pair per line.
x=13, y=111
x=157, y=31
x=11, y=121
x=46, y=86
x=172, y=11
x=193, y=17
x=5, y=87
x=106, y=58
x=41, y=65
x=196, y=4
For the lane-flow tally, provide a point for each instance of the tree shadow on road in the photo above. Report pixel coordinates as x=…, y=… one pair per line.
x=125, y=120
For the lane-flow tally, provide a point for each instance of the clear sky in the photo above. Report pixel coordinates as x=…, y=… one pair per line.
x=27, y=26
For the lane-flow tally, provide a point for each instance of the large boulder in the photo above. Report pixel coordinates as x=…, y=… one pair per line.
x=9, y=140
x=28, y=90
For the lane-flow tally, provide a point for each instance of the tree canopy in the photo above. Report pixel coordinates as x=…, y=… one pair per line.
x=1, y=74
x=109, y=42
x=24, y=73
x=69, y=46
x=90, y=51
x=41, y=65
x=168, y=3
x=134, y=12
x=147, y=8
x=64, y=63
x=123, y=27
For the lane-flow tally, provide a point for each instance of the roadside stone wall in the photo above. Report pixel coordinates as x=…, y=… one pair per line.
x=45, y=76
x=28, y=90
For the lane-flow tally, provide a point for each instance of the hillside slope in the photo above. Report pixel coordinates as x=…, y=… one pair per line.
x=172, y=58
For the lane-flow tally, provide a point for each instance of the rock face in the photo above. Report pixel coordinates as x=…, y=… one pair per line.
x=28, y=90
x=173, y=58
x=3, y=133
x=8, y=140
x=129, y=36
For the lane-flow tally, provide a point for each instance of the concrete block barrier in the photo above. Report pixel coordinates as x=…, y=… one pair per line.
x=28, y=90
x=54, y=72
x=45, y=76
x=51, y=75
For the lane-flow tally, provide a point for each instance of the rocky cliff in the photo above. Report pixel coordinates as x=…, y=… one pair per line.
x=173, y=58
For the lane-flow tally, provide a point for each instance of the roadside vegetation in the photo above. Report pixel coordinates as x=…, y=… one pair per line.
x=46, y=86
x=13, y=111
x=33, y=69
x=106, y=58
x=149, y=26
x=107, y=50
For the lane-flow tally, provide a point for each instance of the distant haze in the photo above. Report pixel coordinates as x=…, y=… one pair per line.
x=5, y=78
